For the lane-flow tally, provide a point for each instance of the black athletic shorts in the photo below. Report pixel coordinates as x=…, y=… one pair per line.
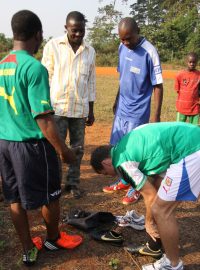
x=30, y=173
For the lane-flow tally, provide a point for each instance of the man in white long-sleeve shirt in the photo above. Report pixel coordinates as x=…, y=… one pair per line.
x=71, y=66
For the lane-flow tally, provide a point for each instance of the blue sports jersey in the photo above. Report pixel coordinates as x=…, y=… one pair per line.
x=139, y=71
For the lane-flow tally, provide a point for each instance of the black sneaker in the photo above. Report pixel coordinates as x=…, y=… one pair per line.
x=144, y=250
x=30, y=257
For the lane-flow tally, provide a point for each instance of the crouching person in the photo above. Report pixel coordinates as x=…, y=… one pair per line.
x=167, y=151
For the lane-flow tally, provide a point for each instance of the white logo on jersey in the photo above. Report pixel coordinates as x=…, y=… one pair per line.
x=129, y=59
x=157, y=70
x=135, y=70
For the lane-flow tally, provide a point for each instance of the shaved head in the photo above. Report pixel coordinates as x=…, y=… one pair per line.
x=129, y=24
x=129, y=32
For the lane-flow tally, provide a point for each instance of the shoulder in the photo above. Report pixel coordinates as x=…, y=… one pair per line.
x=35, y=68
x=183, y=73
x=89, y=47
x=149, y=48
x=56, y=40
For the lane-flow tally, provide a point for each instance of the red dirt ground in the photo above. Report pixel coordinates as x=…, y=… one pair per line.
x=91, y=254
x=167, y=74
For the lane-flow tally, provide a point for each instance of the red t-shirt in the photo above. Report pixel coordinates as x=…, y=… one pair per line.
x=187, y=85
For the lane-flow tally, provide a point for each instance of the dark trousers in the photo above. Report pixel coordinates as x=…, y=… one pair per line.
x=75, y=128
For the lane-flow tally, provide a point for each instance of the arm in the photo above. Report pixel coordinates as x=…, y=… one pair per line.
x=92, y=93
x=149, y=194
x=158, y=97
x=131, y=174
x=49, y=129
x=90, y=120
x=48, y=60
x=116, y=101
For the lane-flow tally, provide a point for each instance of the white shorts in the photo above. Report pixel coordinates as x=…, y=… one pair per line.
x=182, y=180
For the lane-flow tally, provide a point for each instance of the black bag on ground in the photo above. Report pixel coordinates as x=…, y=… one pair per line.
x=90, y=220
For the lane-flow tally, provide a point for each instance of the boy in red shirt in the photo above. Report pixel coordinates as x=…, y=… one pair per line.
x=187, y=85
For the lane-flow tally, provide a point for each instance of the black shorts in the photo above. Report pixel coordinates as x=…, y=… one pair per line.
x=30, y=173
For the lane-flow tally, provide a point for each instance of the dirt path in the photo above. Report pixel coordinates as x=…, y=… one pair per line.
x=92, y=255
x=167, y=74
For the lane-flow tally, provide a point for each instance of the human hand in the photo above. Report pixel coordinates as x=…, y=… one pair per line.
x=67, y=155
x=114, y=108
x=155, y=119
x=90, y=120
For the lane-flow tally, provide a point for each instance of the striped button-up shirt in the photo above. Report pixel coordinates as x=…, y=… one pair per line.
x=72, y=77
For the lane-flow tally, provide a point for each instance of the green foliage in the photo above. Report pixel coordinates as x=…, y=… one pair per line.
x=114, y=263
x=173, y=27
x=175, y=31
x=103, y=36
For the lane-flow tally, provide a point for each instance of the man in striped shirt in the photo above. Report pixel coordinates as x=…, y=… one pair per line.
x=71, y=66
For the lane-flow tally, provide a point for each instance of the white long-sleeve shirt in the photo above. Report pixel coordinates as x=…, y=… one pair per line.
x=72, y=77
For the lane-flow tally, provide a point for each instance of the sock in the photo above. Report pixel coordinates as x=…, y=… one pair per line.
x=154, y=245
x=123, y=181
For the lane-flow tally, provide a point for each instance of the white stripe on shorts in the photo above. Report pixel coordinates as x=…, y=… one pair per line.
x=182, y=180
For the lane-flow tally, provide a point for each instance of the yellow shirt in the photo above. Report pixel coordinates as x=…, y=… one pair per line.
x=72, y=77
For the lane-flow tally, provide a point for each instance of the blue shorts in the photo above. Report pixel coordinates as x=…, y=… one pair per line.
x=121, y=127
x=30, y=173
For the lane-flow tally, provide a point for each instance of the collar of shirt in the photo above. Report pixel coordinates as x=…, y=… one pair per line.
x=65, y=40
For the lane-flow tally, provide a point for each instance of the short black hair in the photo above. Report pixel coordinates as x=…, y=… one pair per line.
x=25, y=24
x=77, y=16
x=130, y=23
x=193, y=54
x=98, y=155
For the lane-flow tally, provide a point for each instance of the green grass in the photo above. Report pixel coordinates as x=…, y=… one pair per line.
x=107, y=87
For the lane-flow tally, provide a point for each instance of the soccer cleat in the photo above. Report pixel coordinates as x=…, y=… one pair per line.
x=132, y=196
x=162, y=264
x=30, y=257
x=116, y=187
x=145, y=250
x=131, y=219
x=65, y=241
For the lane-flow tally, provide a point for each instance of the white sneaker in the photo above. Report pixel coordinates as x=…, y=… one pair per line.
x=162, y=264
x=132, y=219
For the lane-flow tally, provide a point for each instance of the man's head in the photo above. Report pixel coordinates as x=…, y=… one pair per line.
x=192, y=60
x=128, y=32
x=101, y=160
x=26, y=26
x=75, y=26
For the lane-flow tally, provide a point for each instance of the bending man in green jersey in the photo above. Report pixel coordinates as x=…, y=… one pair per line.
x=166, y=151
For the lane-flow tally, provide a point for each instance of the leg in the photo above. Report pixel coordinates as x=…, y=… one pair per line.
x=63, y=124
x=163, y=213
x=181, y=117
x=77, y=135
x=153, y=245
x=20, y=221
x=194, y=119
x=51, y=216
x=119, y=129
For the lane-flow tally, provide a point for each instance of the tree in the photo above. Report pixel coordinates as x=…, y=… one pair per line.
x=147, y=12
x=171, y=25
x=103, y=36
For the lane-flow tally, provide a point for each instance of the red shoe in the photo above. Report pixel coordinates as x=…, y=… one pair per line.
x=37, y=241
x=115, y=187
x=65, y=241
x=132, y=196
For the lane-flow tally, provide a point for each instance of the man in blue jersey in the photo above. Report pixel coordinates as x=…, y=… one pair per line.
x=140, y=76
